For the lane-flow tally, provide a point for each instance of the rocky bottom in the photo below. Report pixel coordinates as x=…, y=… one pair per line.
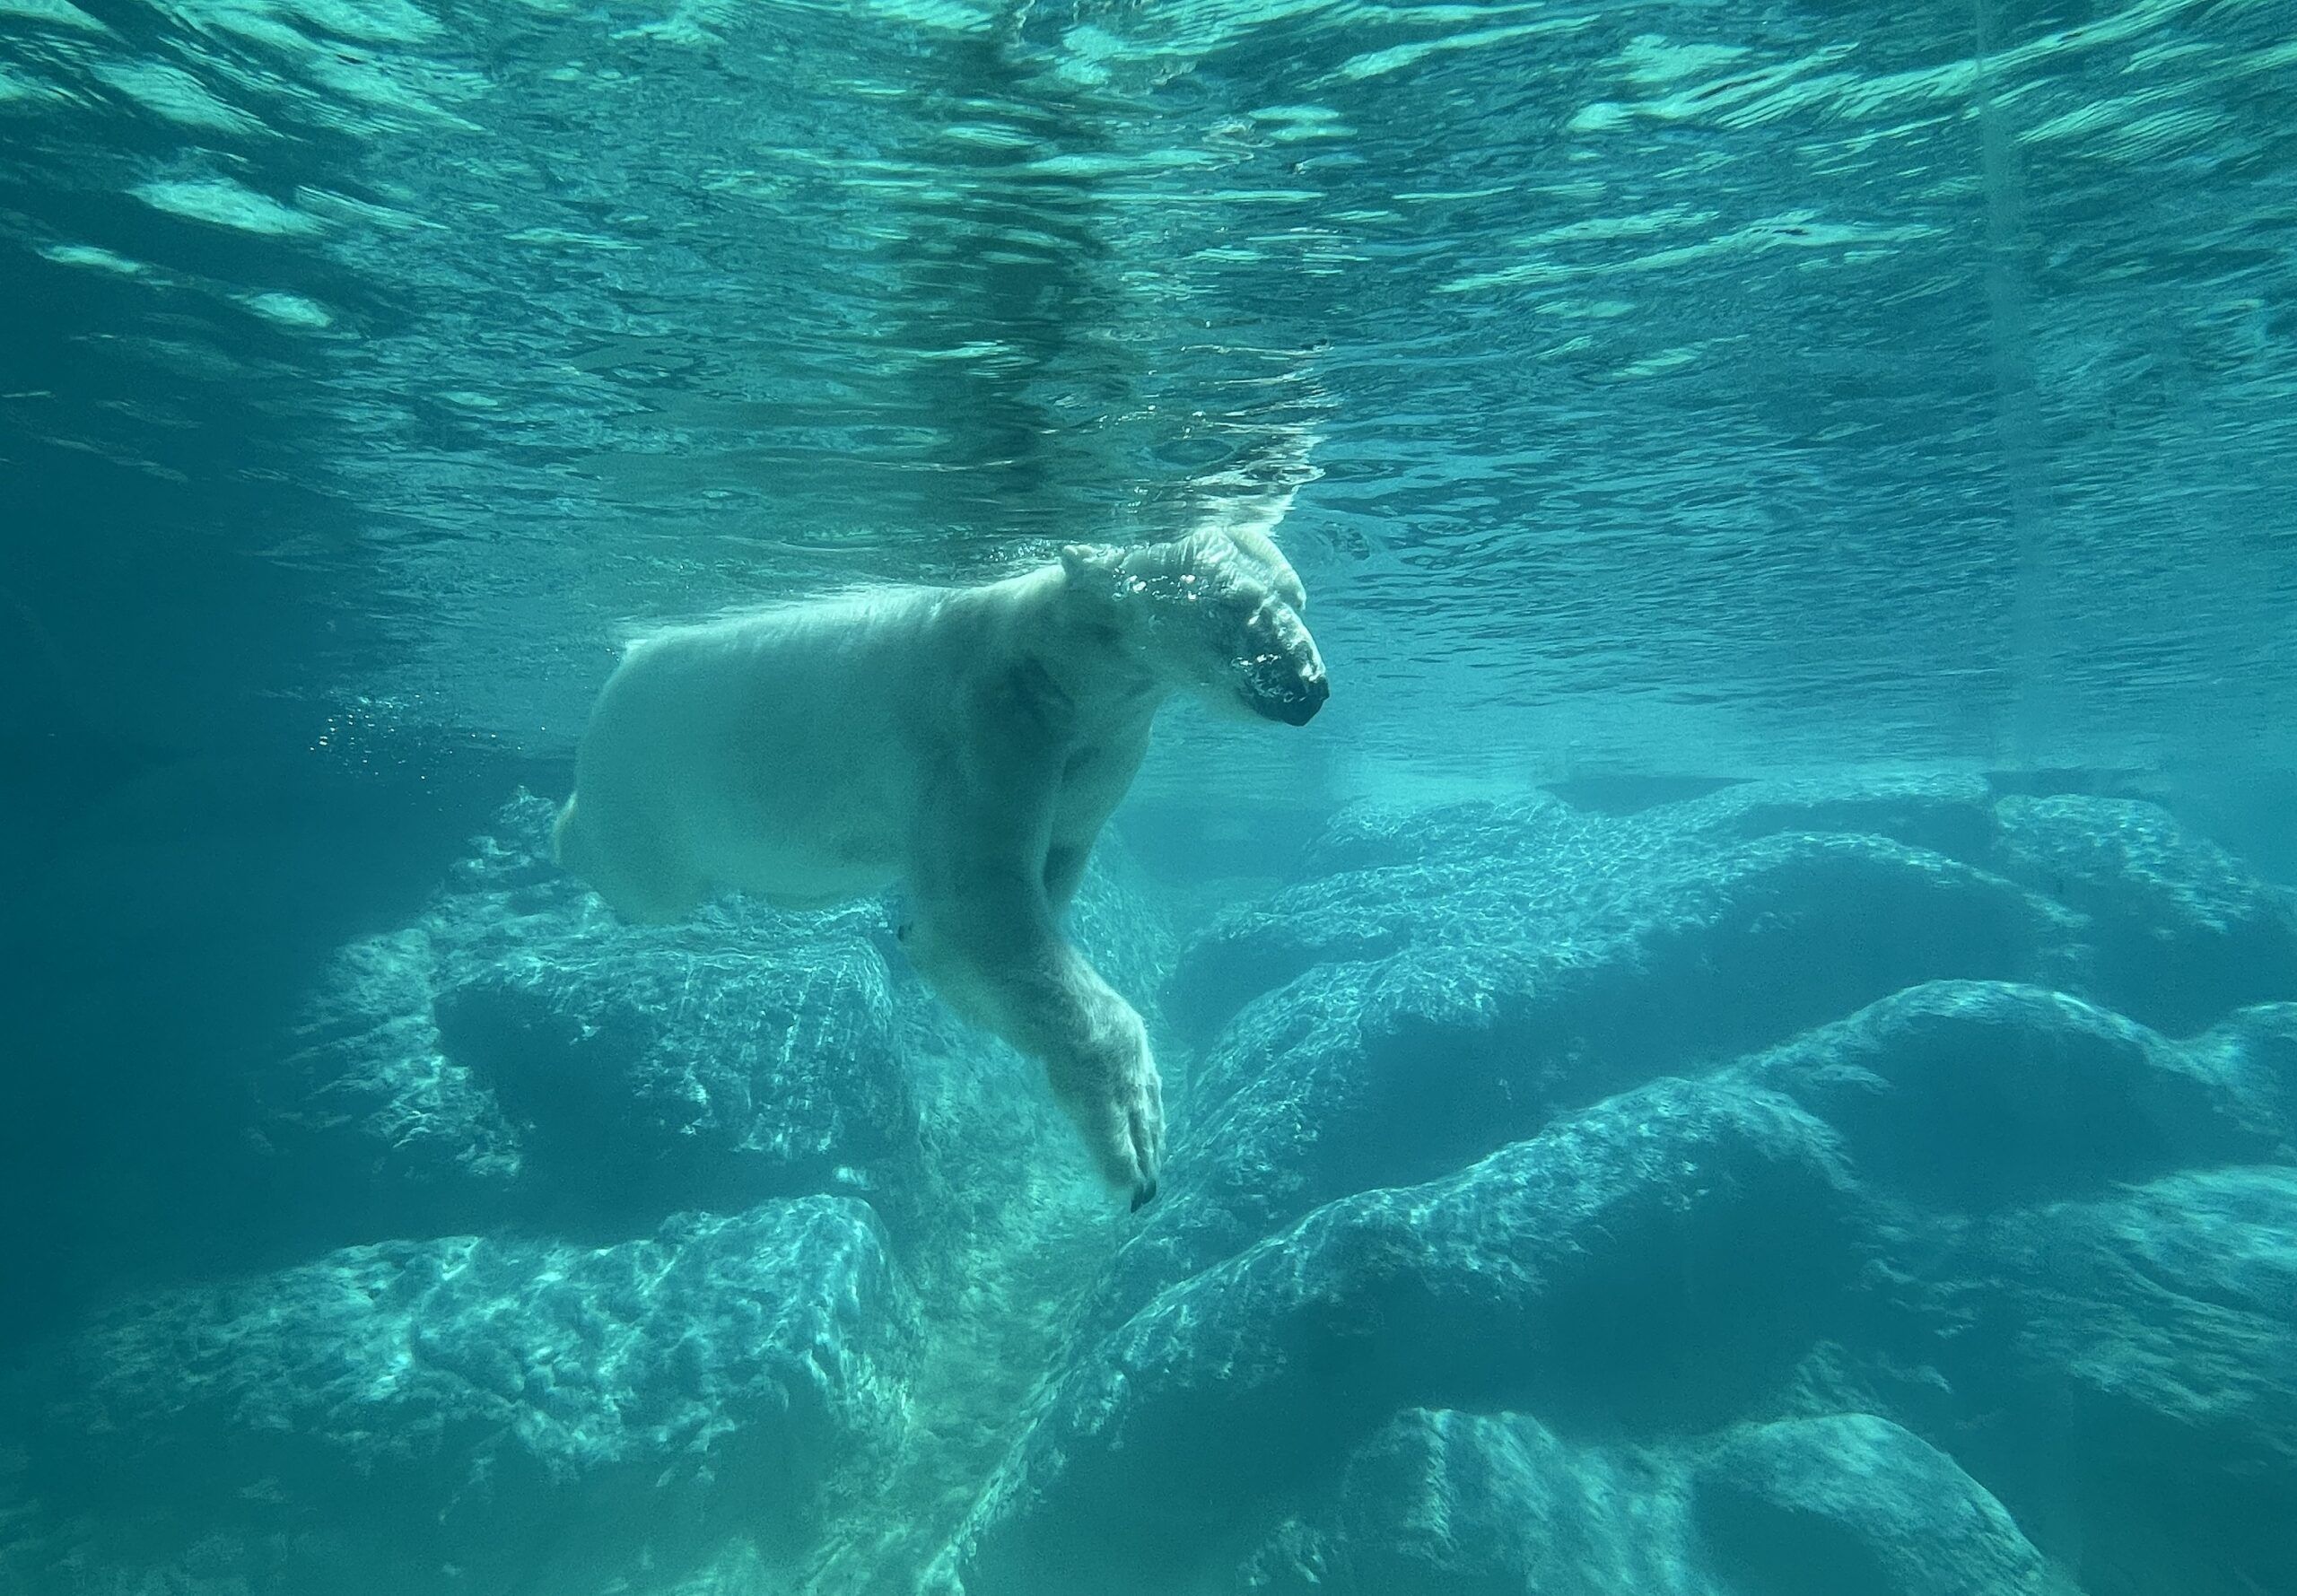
x=1886, y=1189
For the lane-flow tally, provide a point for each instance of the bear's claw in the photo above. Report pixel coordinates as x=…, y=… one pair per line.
x=1111, y=1090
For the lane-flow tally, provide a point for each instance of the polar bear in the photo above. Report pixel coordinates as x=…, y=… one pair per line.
x=967, y=743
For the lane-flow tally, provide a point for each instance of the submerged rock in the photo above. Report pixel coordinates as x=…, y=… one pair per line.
x=1538, y=873
x=1852, y=1502
x=1950, y=815
x=1968, y=1094
x=648, y=1074
x=2126, y=1372
x=2180, y=931
x=1648, y=1267
x=387, y=1131
x=2151, y=919
x=1364, y=1074
x=1931, y=977
x=500, y=1406
x=1448, y=1504
x=522, y=1052
x=1556, y=1201
x=1462, y=975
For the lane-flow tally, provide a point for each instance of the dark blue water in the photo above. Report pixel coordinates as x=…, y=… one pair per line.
x=1752, y=1051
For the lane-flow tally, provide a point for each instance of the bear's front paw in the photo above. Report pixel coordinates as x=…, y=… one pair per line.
x=1118, y=1101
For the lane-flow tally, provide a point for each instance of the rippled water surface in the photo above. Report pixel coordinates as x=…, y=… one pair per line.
x=1674, y=388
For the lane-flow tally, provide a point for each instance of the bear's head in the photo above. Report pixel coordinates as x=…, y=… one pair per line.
x=1217, y=612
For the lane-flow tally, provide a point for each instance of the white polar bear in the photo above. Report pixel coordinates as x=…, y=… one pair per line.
x=968, y=743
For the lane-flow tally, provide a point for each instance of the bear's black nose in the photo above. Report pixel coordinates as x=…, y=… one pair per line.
x=1299, y=709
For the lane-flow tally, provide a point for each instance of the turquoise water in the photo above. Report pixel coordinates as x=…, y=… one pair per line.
x=1752, y=1050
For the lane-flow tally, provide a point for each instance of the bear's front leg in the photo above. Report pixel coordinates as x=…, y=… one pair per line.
x=1102, y=1072
x=987, y=934
x=989, y=940
x=997, y=957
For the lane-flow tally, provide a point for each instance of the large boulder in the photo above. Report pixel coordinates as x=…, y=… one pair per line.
x=1456, y=976
x=470, y=1412
x=381, y=1130
x=648, y=1074
x=1949, y=815
x=1849, y=1503
x=2126, y=1376
x=1970, y=1095
x=2182, y=932
x=1441, y=1503
x=1450, y=1504
x=1483, y=1026
x=1539, y=873
x=1649, y=1267
x=2154, y=920
x=518, y=1052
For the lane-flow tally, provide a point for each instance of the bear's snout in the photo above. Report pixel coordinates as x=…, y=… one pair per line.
x=1303, y=709
x=1299, y=706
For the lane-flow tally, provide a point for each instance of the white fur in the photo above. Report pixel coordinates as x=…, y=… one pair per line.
x=969, y=743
